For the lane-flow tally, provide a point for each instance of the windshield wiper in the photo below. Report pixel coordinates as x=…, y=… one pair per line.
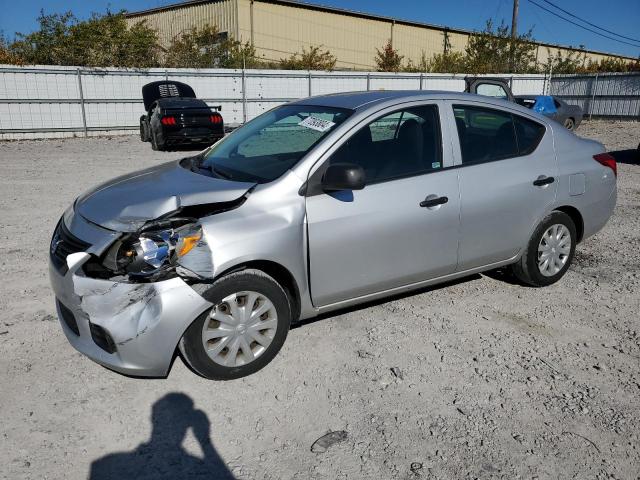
x=220, y=173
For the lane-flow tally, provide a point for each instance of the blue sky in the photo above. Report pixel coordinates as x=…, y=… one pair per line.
x=621, y=16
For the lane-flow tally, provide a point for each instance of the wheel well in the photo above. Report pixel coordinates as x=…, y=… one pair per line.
x=280, y=274
x=576, y=216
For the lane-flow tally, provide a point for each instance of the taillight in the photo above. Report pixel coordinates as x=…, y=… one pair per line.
x=168, y=120
x=608, y=161
x=217, y=119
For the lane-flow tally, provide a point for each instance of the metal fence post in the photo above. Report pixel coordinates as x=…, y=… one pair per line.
x=368, y=81
x=420, y=81
x=84, y=114
x=309, y=83
x=244, y=96
x=593, y=96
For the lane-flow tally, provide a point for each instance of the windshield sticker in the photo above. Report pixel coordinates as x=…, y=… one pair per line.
x=316, y=124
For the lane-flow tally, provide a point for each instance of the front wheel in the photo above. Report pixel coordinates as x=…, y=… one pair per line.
x=243, y=331
x=549, y=253
x=569, y=124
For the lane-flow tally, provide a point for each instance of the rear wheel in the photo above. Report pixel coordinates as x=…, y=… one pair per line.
x=243, y=331
x=155, y=145
x=569, y=124
x=144, y=130
x=549, y=253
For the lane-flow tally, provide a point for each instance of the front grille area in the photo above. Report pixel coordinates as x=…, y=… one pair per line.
x=63, y=243
x=68, y=318
x=102, y=338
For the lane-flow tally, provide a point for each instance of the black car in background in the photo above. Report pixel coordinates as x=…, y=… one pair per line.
x=176, y=118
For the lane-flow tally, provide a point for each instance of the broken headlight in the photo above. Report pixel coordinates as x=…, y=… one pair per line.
x=153, y=251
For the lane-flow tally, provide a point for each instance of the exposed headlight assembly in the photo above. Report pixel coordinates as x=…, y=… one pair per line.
x=154, y=251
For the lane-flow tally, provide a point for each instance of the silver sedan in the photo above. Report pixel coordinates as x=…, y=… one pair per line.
x=317, y=205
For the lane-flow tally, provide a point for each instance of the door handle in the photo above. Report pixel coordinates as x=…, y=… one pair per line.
x=542, y=181
x=430, y=201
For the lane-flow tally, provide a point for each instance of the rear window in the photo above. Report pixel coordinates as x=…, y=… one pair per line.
x=487, y=134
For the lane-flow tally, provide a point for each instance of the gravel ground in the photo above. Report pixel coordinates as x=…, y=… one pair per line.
x=477, y=379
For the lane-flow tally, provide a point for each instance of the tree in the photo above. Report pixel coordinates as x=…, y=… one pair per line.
x=101, y=41
x=421, y=66
x=452, y=62
x=206, y=47
x=559, y=63
x=493, y=50
x=613, y=65
x=313, y=59
x=6, y=56
x=388, y=59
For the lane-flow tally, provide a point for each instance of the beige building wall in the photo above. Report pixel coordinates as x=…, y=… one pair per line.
x=279, y=30
x=170, y=23
x=282, y=30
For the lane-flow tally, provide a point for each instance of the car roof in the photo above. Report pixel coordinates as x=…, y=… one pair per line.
x=366, y=99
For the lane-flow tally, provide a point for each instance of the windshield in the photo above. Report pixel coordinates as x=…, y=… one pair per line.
x=269, y=145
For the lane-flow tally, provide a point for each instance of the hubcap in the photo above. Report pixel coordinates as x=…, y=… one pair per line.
x=554, y=249
x=239, y=329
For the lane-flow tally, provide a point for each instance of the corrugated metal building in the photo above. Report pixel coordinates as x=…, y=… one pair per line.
x=279, y=28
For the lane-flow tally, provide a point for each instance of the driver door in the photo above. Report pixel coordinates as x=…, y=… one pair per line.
x=379, y=238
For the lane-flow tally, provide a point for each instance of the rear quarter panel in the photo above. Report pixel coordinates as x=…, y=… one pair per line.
x=583, y=183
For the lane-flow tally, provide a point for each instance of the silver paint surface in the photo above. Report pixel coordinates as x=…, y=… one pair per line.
x=340, y=249
x=126, y=203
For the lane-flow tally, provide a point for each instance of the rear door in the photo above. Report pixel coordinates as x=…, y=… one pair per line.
x=385, y=236
x=490, y=88
x=507, y=178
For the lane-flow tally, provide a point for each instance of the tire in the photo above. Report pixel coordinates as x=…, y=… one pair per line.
x=144, y=131
x=570, y=124
x=530, y=268
x=154, y=143
x=216, y=360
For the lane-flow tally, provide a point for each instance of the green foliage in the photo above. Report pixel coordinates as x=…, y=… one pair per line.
x=452, y=62
x=612, y=65
x=104, y=40
x=100, y=41
x=570, y=62
x=421, y=66
x=493, y=50
x=6, y=56
x=313, y=59
x=388, y=59
x=206, y=47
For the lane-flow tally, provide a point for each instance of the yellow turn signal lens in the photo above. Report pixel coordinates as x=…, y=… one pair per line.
x=186, y=243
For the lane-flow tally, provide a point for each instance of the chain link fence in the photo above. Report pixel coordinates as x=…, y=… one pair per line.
x=605, y=95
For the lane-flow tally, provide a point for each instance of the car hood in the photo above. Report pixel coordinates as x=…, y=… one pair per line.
x=126, y=203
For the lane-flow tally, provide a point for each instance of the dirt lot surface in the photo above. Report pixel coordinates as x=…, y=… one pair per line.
x=479, y=379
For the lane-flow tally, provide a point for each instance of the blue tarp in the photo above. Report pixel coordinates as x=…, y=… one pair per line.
x=545, y=105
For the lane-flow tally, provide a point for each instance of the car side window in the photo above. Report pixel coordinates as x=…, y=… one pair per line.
x=487, y=134
x=400, y=144
x=528, y=133
x=557, y=103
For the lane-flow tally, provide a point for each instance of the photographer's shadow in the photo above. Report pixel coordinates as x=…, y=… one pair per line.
x=163, y=455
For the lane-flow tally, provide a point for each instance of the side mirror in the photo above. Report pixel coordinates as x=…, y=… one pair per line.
x=343, y=176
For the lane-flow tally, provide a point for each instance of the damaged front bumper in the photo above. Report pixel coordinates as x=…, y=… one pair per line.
x=132, y=328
